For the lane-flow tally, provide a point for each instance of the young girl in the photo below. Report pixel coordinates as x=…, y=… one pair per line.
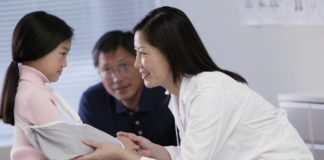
x=40, y=45
x=218, y=116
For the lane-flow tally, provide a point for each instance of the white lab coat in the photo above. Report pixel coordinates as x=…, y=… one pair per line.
x=221, y=119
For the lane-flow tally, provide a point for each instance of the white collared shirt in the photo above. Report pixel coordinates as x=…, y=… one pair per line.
x=221, y=119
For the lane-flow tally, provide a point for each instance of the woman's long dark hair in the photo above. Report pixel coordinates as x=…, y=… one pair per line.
x=35, y=35
x=171, y=31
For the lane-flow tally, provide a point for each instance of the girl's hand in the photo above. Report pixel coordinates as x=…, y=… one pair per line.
x=107, y=151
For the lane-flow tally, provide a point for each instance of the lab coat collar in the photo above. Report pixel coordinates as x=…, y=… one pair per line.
x=185, y=83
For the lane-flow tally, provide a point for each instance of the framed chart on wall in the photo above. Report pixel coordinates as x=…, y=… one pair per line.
x=281, y=12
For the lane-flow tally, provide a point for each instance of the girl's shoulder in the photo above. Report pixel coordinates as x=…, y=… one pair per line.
x=33, y=87
x=30, y=93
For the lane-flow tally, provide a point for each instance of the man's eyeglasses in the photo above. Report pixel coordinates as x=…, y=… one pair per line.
x=122, y=69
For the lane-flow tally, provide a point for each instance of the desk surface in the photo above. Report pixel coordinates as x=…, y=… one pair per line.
x=302, y=97
x=5, y=153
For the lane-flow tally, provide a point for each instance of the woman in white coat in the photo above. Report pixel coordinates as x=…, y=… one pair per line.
x=218, y=116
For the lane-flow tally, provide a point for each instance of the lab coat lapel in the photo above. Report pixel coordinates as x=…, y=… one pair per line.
x=174, y=107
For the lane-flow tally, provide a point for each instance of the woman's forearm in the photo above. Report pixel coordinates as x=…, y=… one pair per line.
x=129, y=155
x=160, y=153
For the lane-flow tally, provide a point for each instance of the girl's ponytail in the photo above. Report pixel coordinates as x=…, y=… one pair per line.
x=9, y=92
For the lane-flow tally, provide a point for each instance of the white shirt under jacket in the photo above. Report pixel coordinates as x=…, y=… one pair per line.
x=221, y=119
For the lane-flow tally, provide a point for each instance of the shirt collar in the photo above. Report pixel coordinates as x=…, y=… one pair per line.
x=146, y=103
x=185, y=83
x=31, y=74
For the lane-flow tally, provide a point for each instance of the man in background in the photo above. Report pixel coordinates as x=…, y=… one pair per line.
x=121, y=102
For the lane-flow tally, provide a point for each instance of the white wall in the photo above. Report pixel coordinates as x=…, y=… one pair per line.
x=273, y=59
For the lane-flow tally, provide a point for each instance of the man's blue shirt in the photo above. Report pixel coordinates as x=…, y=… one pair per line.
x=152, y=119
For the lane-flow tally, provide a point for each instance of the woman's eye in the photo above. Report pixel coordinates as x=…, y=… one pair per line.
x=141, y=53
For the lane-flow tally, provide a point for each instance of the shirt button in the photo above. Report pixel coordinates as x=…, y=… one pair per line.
x=137, y=122
x=140, y=132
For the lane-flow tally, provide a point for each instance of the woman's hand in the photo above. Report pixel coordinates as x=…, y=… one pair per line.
x=128, y=144
x=146, y=147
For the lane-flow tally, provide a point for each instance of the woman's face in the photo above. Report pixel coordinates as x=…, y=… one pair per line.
x=152, y=64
